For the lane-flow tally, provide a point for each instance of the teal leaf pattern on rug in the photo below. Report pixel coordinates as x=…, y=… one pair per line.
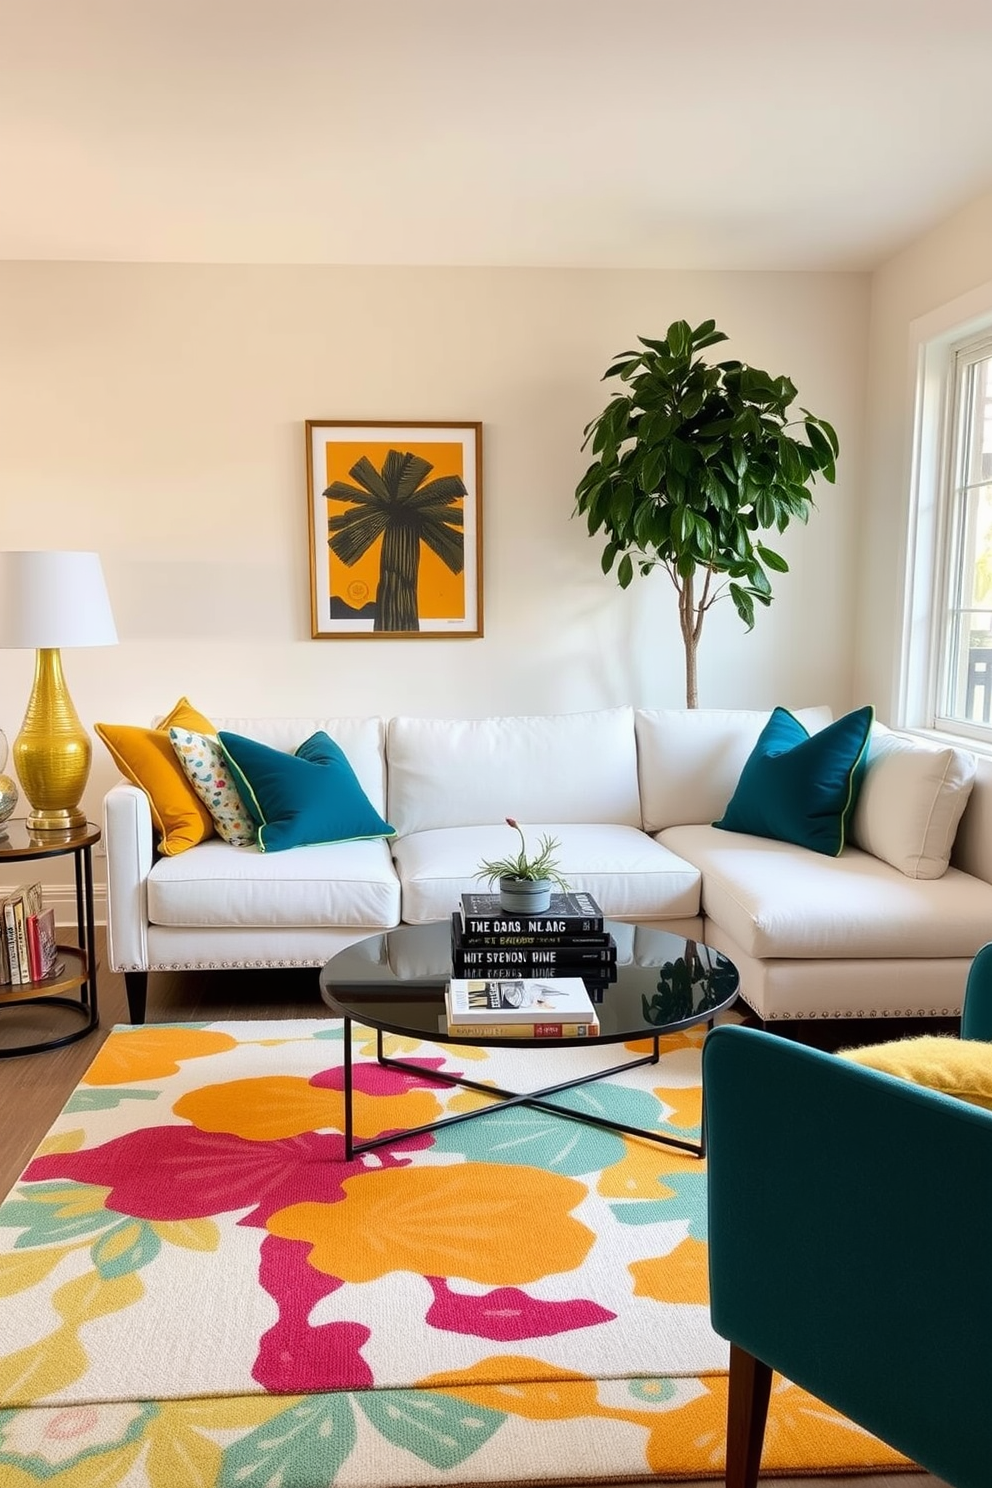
x=126, y=1247
x=439, y=1429
x=687, y=1202
x=521, y=1134
x=106, y=1100
x=536, y=1138
x=654, y=1391
x=284, y=1450
x=48, y=1216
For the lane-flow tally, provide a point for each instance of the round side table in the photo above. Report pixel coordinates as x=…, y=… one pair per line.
x=72, y=986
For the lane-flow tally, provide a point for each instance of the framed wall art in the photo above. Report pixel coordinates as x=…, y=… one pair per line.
x=395, y=514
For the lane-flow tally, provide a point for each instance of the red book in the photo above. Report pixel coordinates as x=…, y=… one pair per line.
x=40, y=931
x=34, y=947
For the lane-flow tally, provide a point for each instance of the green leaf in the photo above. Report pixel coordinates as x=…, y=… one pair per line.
x=679, y=339
x=609, y=557
x=440, y=1429
x=705, y=540
x=53, y=1213
x=106, y=1100
x=692, y=403
x=765, y=509
x=655, y=426
x=622, y=369
x=772, y=560
x=828, y=430
x=625, y=572
x=308, y=1442
x=651, y=471
x=819, y=444
x=759, y=579
x=126, y=1247
x=743, y=604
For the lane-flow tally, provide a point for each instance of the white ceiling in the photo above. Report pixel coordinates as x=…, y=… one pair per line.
x=709, y=134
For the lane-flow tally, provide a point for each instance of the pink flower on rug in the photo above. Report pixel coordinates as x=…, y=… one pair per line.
x=294, y=1355
x=507, y=1314
x=179, y=1172
x=373, y=1079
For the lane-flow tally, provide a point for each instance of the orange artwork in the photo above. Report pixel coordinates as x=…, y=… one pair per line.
x=395, y=514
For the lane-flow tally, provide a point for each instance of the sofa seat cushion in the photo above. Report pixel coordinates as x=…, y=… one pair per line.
x=214, y=885
x=776, y=900
x=629, y=874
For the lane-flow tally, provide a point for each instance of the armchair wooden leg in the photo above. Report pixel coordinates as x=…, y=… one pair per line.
x=136, y=987
x=747, y=1410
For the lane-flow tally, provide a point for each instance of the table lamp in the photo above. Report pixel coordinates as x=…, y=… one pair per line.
x=49, y=600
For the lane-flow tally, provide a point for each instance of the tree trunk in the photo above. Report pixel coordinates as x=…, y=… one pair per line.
x=690, y=625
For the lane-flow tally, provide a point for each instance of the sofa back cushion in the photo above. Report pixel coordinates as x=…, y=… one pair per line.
x=973, y=843
x=560, y=767
x=913, y=794
x=689, y=760
x=361, y=739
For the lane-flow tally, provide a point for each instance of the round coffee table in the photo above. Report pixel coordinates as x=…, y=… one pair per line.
x=394, y=983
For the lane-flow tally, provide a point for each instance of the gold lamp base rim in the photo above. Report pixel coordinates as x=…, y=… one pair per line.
x=56, y=820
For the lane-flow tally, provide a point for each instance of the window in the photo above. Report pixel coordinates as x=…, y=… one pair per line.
x=962, y=650
x=946, y=670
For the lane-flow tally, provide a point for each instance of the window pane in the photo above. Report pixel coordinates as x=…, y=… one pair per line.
x=968, y=619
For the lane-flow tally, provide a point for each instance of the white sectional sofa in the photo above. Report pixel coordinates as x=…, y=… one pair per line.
x=631, y=795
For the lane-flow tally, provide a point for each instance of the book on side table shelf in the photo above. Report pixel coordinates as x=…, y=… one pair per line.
x=42, y=949
x=520, y=1007
x=19, y=904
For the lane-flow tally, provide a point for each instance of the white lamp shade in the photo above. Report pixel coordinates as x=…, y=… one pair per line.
x=53, y=600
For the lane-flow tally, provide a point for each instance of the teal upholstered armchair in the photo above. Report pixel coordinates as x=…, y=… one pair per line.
x=850, y=1233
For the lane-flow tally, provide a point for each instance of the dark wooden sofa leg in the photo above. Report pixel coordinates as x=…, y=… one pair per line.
x=136, y=987
x=747, y=1411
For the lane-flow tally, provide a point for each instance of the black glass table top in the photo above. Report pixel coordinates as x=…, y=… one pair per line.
x=395, y=981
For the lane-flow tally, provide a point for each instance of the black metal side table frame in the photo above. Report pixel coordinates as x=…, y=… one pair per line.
x=503, y=1099
x=18, y=846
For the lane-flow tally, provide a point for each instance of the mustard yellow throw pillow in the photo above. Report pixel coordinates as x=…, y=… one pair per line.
x=147, y=758
x=961, y=1067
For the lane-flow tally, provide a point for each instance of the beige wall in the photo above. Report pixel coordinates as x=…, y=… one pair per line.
x=944, y=278
x=155, y=413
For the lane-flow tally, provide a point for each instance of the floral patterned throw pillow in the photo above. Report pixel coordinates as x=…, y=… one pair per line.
x=203, y=761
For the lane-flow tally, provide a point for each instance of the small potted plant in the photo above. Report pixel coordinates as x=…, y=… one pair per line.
x=525, y=881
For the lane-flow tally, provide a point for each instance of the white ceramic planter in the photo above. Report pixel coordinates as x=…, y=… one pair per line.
x=525, y=895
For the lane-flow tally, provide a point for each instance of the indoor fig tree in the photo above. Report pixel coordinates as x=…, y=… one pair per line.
x=693, y=462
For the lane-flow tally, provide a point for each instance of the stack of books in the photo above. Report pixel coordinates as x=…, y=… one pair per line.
x=520, y=1007
x=568, y=947
x=28, y=951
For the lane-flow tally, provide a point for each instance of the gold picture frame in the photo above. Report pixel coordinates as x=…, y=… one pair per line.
x=395, y=521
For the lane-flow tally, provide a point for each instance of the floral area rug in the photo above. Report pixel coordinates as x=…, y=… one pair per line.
x=196, y=1287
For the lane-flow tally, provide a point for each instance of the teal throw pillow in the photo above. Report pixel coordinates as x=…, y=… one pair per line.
x=307, y=797
x=801, y=787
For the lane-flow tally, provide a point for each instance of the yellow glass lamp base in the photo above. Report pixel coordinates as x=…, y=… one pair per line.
x=52, y=751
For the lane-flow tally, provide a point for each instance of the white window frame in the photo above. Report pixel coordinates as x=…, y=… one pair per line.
x=936, y=340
